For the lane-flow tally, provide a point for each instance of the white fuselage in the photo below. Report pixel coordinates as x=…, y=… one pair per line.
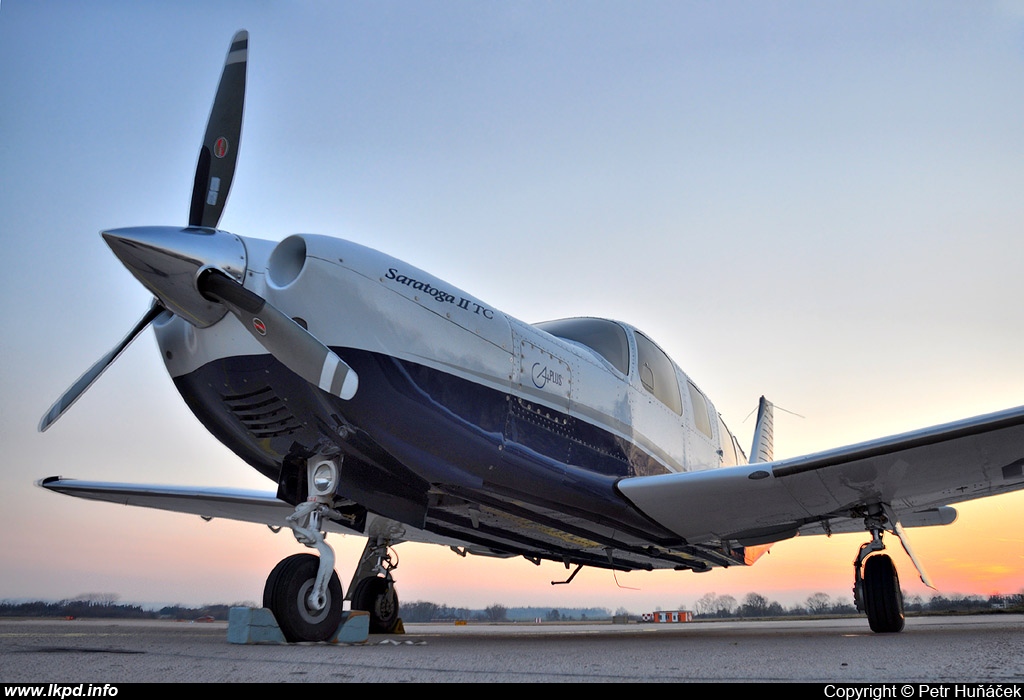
x=351, y=296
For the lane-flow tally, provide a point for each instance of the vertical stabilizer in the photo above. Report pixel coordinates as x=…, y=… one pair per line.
x=764, y=433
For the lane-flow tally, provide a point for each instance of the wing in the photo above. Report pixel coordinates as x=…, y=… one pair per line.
x=236, y=504
x=916, y=474
x=233, y=504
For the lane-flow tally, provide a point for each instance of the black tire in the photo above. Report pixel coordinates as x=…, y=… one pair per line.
x=285, y=595
x=379, y=598
x=883, y=599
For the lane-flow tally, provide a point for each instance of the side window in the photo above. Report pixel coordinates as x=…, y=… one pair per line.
x=700, y=410
x=606, y=338
x=729, y=458
x=657, y=373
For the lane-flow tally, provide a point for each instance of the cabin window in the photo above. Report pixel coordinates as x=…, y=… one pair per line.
x=701, y=417
x=606, y=338
x=657, y=373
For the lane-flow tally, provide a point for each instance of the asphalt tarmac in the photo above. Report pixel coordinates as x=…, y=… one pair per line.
x=971, y=649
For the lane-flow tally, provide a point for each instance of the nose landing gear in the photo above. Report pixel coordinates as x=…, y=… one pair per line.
x=304, y=592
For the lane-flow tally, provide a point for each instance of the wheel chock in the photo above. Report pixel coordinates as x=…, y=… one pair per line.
x=253, y=626
x=258, y=626
x=354, y=628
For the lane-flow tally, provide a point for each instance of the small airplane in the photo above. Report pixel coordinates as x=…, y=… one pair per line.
x=387, y=403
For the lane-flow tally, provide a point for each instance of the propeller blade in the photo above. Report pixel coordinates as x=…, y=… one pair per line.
x=93, y=373
x=291, y=344
x=217, y=157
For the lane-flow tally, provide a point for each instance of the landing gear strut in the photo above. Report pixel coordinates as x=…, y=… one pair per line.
x=877, y=592
x=375, y=593
x=303, y=591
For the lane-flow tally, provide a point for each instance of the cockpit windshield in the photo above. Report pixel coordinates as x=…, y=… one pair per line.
x=606, y=338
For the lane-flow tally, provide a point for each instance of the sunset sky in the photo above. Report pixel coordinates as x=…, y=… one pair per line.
x=819, y=202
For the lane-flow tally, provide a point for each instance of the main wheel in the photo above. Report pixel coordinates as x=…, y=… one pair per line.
x=883, y=599
x=378, y=597
x=286, y=594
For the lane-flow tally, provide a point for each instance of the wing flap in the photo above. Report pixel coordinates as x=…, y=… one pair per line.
x=912, y=472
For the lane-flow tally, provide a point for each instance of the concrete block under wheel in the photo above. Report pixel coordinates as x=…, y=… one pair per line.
x=258, y=626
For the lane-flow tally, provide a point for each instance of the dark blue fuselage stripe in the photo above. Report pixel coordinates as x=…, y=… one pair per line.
x=422, y=426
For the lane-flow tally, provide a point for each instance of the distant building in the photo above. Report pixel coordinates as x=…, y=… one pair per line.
x=668, y=616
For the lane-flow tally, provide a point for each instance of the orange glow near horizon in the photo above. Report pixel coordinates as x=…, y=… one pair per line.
x=146, y=556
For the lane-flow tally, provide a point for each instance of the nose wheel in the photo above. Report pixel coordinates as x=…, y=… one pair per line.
x=287, y=595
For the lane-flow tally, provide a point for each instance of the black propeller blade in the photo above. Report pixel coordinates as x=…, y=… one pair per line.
x=214, y=172
x=217, y=158
x=93, y=373
x=162, y=252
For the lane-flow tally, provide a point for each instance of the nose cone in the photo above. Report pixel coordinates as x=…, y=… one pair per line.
x=167, y=260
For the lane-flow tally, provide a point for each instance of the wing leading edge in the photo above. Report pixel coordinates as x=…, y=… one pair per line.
x=260, y=507
x=231, y=504
x=917, y=474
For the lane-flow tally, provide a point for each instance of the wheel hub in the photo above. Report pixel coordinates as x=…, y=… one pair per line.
x=312, y=615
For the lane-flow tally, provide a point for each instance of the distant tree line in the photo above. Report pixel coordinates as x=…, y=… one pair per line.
x=106, y=606
x=712, y=606
x=421, y=611
x=708, y=606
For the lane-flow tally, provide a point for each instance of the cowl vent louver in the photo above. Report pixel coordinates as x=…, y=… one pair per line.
x=262, y=413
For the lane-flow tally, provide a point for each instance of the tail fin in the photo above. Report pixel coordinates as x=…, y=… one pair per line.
x=764, y=433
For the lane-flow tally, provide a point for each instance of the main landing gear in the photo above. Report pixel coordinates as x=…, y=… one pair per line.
x=877, y=591
x=376, y=594
x=304, y=592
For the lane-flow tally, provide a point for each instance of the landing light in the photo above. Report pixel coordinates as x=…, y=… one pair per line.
x=323, y=478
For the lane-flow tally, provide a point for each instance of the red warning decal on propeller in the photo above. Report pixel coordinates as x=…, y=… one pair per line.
x=260, y=327
x=220, y=148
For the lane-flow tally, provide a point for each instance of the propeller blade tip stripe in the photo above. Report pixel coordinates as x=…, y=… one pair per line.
x=338, y=378
x=331, y=363
x=349, y=385
x=239, y=51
